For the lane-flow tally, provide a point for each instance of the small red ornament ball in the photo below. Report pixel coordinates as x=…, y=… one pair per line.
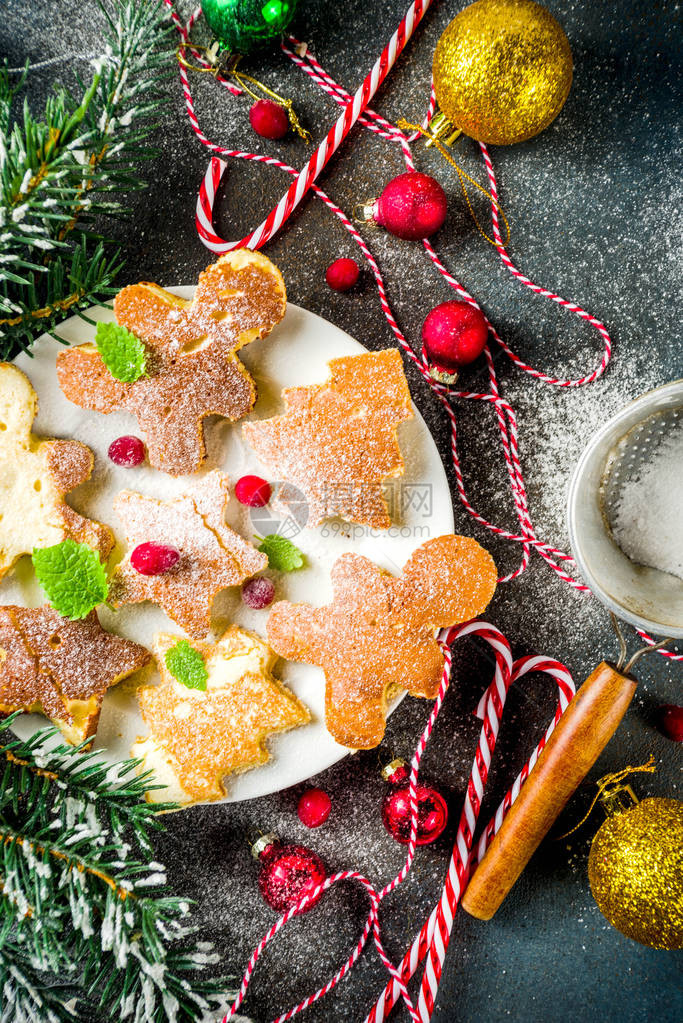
x=127, y=452
x=269, y=119
x=342, y=274
x=154, y=558
x=253, y=491
x=670, y=721
x=288, y=872
x=454, y=334
x=432, y=813
x=314, y=808
x=412, y=206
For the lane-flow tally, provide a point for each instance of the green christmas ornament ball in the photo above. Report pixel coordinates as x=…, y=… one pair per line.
x=244, y=25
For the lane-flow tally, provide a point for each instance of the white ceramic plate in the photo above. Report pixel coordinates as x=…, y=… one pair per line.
x=295, y=353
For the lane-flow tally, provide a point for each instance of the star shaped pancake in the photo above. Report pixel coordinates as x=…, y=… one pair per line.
x=35, y=476
x=198, y=737
x=212, y=556
x=193, y=371
x=61, y=668
x=337, y=441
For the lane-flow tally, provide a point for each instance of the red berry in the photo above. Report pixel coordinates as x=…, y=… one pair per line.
x=258, y=593
x=670, y=721
x=342, y=274
x=314, y=808
x=127, y=451
x=454, y=334
x=412, y=206
x=154, y=558
x=252, y=491
x=269, y=119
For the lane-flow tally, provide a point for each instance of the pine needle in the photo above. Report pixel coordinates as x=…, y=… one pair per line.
x=63, y=171
x=82, y=901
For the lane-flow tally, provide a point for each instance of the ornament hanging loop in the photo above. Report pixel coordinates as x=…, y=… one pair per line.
x=462, y=176
x=246, y=81
x=211, y=52
x=364, y=213
x=611, y=793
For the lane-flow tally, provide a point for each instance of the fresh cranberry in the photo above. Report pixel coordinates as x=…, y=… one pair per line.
x=154, y=558
x=269, y=119
x=252, y=491
x=670, y=721
x=342, y=274
x=127, y=451
x=314, y=808
x=258, y=593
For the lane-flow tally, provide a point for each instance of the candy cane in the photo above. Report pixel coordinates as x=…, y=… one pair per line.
x=335, y=136
x=435, y=932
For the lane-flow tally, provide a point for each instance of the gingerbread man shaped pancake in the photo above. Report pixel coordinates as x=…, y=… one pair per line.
x=35, y=476
x=193, y=371
x=378, y=634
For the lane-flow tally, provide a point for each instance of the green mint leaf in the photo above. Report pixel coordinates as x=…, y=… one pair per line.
x=187, y=665
x=122, y=352
x=283, y=556
x=72, y=576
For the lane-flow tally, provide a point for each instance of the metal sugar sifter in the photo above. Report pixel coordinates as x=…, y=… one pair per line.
x=647, y=597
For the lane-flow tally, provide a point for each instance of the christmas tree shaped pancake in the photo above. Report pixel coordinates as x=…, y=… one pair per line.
x=61, y=668
x=192, y=370
x=378, y=634
x=337, y=441
x=212, y=556
x=35, y=476
x=209, y=718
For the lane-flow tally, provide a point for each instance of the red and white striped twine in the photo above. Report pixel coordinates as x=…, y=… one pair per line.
x=356, y=109
x=432, y=941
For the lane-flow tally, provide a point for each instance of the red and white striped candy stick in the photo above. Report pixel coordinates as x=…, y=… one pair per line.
x=335, y=136
x=432, y=940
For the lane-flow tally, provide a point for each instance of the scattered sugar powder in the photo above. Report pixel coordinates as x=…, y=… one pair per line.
x=648, y=521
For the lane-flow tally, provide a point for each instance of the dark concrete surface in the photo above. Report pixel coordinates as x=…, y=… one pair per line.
x=594, y=207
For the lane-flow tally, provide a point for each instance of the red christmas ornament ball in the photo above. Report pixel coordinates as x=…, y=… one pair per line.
x=432, y=813
x=314, y=808
x=454, y=334
x=412, y=206
x=288, y=872
x=154, y=558
x=269, y=119
x=670, y=721
x=253, y=491
x=342, y=274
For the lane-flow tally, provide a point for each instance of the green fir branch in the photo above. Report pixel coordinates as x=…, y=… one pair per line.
x=59, y=174
x=26, y=994
x=82, y=900
x=116, y=794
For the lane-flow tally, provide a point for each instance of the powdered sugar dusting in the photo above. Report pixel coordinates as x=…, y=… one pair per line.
x=648, y=520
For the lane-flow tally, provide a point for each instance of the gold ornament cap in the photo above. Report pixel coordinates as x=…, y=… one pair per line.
x=502, y=70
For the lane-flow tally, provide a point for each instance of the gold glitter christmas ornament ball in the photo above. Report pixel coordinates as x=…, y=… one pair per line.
x=502, y=70
x=635, y=869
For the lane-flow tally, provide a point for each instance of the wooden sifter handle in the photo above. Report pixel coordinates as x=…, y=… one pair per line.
x=582, y=733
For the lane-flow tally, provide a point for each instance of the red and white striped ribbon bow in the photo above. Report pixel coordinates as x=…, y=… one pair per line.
x=432, y=941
